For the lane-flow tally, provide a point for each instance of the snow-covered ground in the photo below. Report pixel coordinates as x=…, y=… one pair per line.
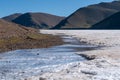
x=21, y=64
x=62, y=63
x=106, y=65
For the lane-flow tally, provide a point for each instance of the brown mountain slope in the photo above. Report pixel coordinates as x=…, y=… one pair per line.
x=12, y=17
x=8, y=29
x=112, y=22
x=38, y=20
x=14, y=36
x=87, y=16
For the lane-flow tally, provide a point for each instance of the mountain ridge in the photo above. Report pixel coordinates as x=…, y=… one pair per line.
x=11, y=17
x=85, y=17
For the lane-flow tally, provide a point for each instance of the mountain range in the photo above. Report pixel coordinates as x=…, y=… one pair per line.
x=87, y=16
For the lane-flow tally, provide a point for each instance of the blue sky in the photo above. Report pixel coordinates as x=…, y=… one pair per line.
x=56, y=7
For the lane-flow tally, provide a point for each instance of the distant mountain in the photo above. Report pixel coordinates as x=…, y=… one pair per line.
x=87, y=16
x=38, y=20
x=12, y=17
x=112, y=22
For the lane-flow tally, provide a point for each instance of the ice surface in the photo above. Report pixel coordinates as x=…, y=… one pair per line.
x=106, y=65
x=18, y=64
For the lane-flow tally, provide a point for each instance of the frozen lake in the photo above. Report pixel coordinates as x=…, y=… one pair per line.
x=18, y=64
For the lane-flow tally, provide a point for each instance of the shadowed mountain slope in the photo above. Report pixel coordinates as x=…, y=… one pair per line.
x=38, y=20
x=112, y=22
x=87, y=16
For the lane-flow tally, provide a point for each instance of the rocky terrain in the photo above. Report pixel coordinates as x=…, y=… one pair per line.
x=105, y=65
x=87, y=16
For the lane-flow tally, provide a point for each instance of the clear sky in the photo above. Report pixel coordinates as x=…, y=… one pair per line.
x=56, y=7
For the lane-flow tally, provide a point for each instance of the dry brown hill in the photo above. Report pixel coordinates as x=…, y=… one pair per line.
x=14, y=36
